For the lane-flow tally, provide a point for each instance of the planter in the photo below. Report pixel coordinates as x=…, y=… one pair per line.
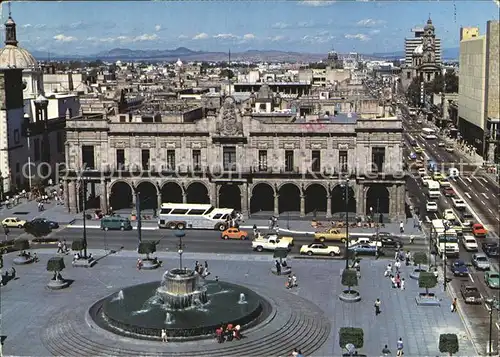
x=150, y=264
x=57, y=284
x=23, y=260
x=284, y=270
x=350, y=296
x=84, y=263
x=427, y=300
x=415, y=274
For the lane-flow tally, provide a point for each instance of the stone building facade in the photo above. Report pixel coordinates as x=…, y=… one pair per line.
x=235, y=160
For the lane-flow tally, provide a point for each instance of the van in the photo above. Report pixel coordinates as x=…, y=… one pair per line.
x=433, y=189
x=115, y=222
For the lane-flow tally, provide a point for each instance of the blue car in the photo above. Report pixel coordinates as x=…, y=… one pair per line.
x=51, y=224
x=364, y=249
x=413, y=156
x=459, y=268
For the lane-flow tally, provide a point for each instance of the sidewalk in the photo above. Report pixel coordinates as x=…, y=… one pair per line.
x=28, y=210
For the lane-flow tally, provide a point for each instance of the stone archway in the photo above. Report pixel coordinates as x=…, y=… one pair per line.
x=171, y=192
x=338, y=201
x=229, y=197
x=262, y=199
x=377, y=197
x=289, y=198
x=315, y=199
x=120, y=196
x=148, y=195
x=197, y=192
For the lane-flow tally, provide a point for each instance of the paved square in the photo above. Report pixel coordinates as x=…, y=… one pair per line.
x=27, y=305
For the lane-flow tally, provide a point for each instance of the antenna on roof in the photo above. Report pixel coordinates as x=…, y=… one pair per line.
x=10, y=9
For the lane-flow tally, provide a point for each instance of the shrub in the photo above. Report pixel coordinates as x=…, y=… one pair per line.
x=420, y=258
x=78, y=245
x=349, y=278
x=21, y=244
x=448, y=343
x=1, y=260
x=353, y=335
x=148, y=247
x=55, y=264
x=427, y=280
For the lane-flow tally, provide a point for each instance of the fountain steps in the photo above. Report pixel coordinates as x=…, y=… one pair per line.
x=299, y=324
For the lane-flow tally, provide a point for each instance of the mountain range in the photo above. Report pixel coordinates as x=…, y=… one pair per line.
x=186, y=54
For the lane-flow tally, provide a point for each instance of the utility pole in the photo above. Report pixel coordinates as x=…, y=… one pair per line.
x=444, y=254
x=377, y=238
x=84, y=209
x=138, y=212
x=346, y=193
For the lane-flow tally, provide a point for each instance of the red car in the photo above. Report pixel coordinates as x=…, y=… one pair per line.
x=479, y=231
x=449, y=192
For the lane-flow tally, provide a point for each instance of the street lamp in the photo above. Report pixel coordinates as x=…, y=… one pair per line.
x=28, y=135
x=83, y=183
x=446, y=227
x=346, y=200
x=377, y=225
x=180, y=234
x=491, y=304
x=138, y=212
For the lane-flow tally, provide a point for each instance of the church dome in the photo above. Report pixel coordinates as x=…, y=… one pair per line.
x=429, y=25
x=16, y=57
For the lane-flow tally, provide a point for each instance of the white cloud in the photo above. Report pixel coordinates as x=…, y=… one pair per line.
x=280, y=25
x=317, y=39
x=374, y=31
x=249, y=36
x=124, y=39
x=157, y=28
x=183, y=37
x=225, y=36
x=25, y=26
x=317, y=3
x=358, y=36
x=64, y=38
x=145, y=37
x=276, y=38
x=370, y=22
x=201, y=36
x=31, y=26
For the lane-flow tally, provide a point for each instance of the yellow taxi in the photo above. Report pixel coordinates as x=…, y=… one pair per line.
x=419, y=150
x=234, y=233
x=437, y=176
x=13, y=222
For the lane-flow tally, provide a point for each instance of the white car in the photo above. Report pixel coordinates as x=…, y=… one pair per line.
x=449, y=215
x=469, y=243
x=319, y=249
x=449, y=148
x=422, y=172
x=459, y=203
x=441, y=144
x=426, y=179
x=419, y=121
x=364, y=240
x=431, y=206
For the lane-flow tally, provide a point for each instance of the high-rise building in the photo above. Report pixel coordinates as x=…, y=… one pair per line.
x=466, y=33
x=478, y=91
x=411, y=44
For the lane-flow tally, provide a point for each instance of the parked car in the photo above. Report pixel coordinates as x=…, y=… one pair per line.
x=388, y=240
x=426, y=179
x=479, y=231
x=13, y=222
x=480, y=261
x=441, y=144
x=459, y=268
x=492, y=279
x=364, y=249
x=234, y=233
x=333, y=234
x=470, y=294
x=459, y=203
x=52, y=224
x=431, y=206
x=448, y=191
x=469, y=243
x=422, y=171
x=492, y=250
x=319, y=249
x=449, y=148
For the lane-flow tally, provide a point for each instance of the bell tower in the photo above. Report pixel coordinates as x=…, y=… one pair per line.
x=429, y=43
x=10, y=30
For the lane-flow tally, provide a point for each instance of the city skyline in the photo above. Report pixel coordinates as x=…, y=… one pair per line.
x=303, y=26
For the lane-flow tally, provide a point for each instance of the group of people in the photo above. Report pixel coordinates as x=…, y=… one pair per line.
x=228, y=333
x=296, y=353
x=62, y=247
x=7, y=277
x=202, y=270
x=399, y=346
x=27, y=255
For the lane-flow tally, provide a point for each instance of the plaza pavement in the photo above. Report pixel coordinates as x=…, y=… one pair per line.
x=27, y=305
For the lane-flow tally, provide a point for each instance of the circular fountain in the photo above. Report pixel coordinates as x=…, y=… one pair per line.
x=186, y=306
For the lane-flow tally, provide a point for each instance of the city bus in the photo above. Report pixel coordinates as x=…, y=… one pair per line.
x=194, y=216
x=445, y=241
x=429, y=134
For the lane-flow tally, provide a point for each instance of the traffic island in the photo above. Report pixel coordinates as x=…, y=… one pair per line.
x=427, y=281
x=150, y=264
x=350, y=296
x=58, y=284
x=427, y=300
x=23, y=259
x=56, y=265
x=350, y=279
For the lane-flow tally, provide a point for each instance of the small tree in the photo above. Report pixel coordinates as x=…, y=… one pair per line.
x=353, y=335
x=147, y=248
x=448, y=343
x=56, y=265
x=427, y=280
x=349, y=278
x=78, y=245
x=1, y=260
x=420, y=258
x=21, y=245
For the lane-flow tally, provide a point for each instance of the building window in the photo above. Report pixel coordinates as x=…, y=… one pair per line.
x=36, y=149
x=120, y=158
x=343, y=161
x=262, y=160
x=288, y=160
x=16, y=136
x=18, y=167
x=171, y=160
x=145, y=157
x=316, y=161
x=229, y=158
x=428, y=77
x=378, y=159
x=197, y=160
x=59, y=142
x=88, y=161
x=408, y=75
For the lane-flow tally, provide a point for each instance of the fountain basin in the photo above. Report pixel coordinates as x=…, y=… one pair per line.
x=142, y=314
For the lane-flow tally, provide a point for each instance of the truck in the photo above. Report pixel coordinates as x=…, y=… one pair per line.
x=445, y=239
x=433, y=189
x=332, y=234
x=270, y=244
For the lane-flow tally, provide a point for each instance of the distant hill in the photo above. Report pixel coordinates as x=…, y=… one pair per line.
x=446, y=53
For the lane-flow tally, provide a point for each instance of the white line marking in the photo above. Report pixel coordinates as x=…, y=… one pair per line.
x=479, y=182
x=470, y=276
x=468, y=179
x=482, y=178
x=485, y=195
x=497, y=325
x=490, y=210
x=483, y=202
x=467, y=194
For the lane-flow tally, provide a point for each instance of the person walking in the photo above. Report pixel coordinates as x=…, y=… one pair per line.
x=386, y=351
x=60, y=247
x=278, y=267
x=377, y=307
x=403, y=284
x=401, y=227
x=397, y=265
x=164, y=335
x=454, y=305
x=400, y=345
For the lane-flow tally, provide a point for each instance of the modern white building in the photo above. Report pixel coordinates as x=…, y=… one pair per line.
x=411, y=44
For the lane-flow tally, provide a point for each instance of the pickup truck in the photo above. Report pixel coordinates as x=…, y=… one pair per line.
x=261, y=244
x=333, y=234
x=459, y=203
x=449, y=215
x=470, y=294
x=276, y=237
x=365, y=240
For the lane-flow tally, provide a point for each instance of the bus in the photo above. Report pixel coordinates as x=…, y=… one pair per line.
x=445, y=241
x=194, y=216
x=429, y=134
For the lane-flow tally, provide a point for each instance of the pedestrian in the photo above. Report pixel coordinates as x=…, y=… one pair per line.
x=403, y=284
x=164, y=335
x=388, y=270
x=412, y=238
x=6, y=231
x=393, y=281
x=358, y=274
x=255, y=231
x=59, y=247
x=400, y=344
x=377, y=307
x=294, y=280
x=401, y=227
x=396, y=254
x=397, y=265
x=65, y=246
x=277, y=228
x=398, y=281
x=271, y=221
x=454, y=305
x=206, y=265
x=386, y=351
x=278, y=267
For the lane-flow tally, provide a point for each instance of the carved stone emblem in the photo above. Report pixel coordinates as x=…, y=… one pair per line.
x=228, y=123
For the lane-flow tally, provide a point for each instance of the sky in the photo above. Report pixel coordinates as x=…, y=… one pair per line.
x=367, y=27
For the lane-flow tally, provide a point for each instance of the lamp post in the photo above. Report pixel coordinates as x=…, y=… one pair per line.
x=491, y=304
x=346, y=199
x=84, y=209
x=377, y=225
x=138, y=212
x=445, y=225
x=180, y=234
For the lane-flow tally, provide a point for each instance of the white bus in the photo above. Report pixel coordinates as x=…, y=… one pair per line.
x=429, y=134
x=445, y=242
x=194, y=216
